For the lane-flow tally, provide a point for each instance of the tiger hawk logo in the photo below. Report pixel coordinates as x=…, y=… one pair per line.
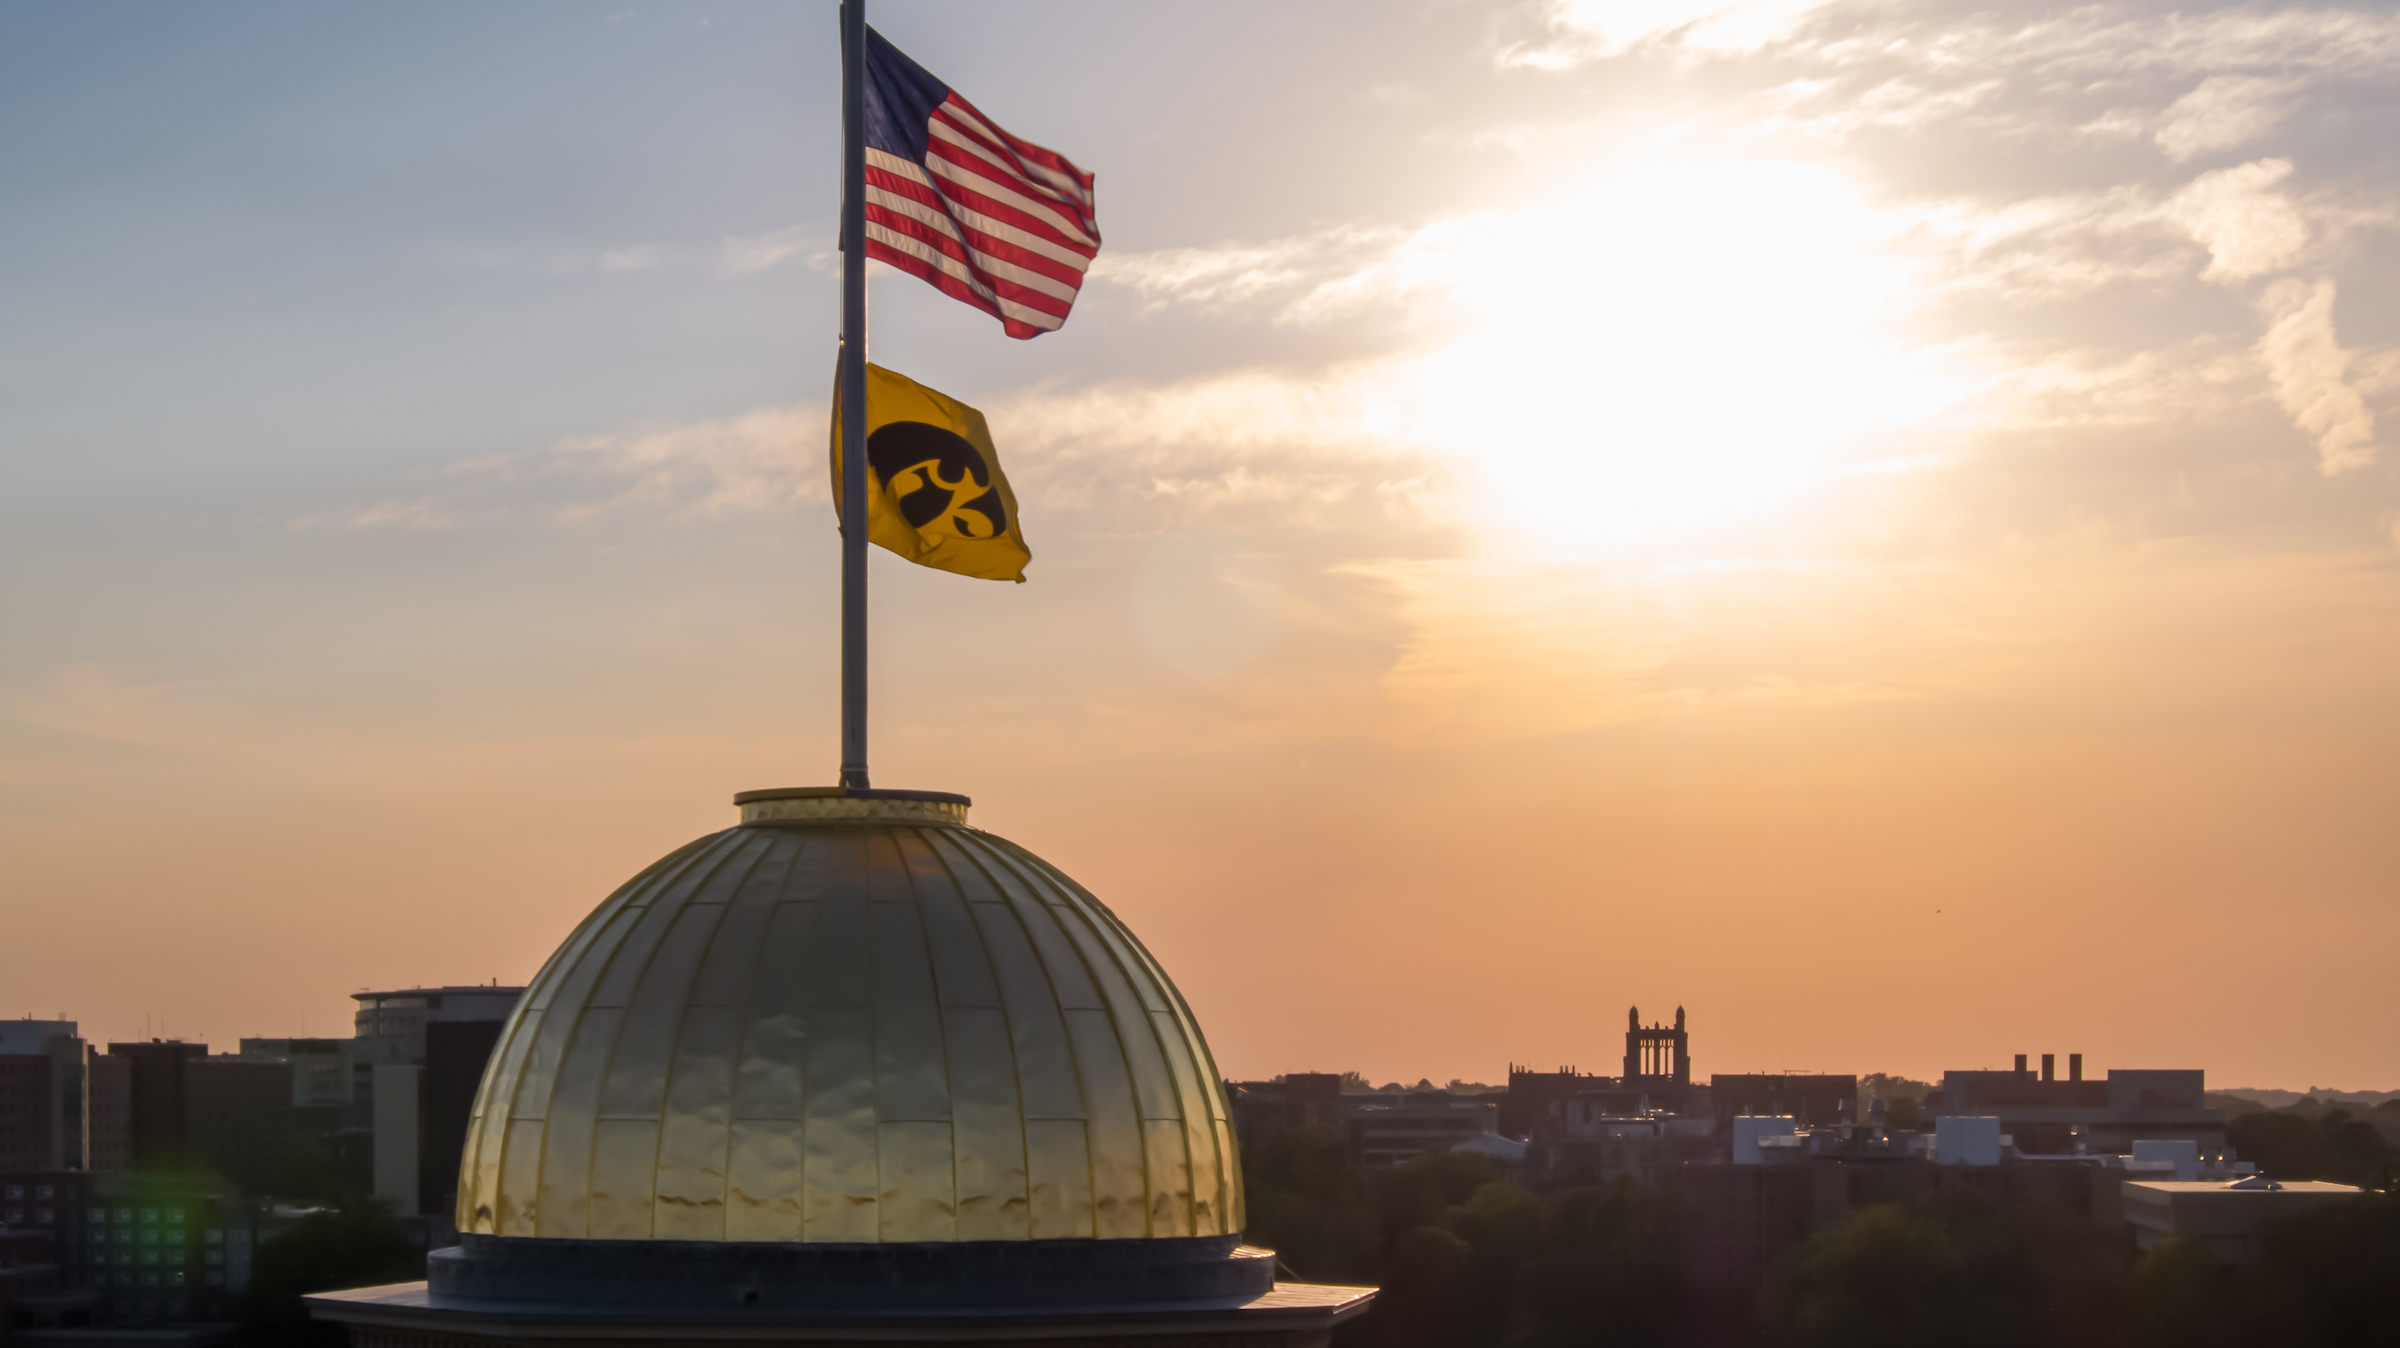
x=937, y=479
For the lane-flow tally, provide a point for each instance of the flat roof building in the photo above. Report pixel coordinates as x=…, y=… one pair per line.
x=390, y=1026
x=1417, y=1125
x=2045, y=1115
x=45, y=1103
x=2225, y=1217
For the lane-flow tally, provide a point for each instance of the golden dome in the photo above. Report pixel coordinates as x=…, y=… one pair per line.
x=851, y=1018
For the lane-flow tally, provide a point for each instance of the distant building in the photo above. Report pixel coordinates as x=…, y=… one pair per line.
x=151, y=1248
x=320, y=1068
x=1788, y=1183
x=391, y=1025
x=1507, y=1152
x=279, y=1117
x=1809, y=1098
x=1584, y=1126
x=1297, y=1100
x=157, y=1110
x=1757, y=1138
x=430, y=1046
x=1537, y=1102
x=456, y=1052
x=328, y=1137
x=1381, y=1127
x=1657, y=1058
x=2043, y=1115
x=108, y=1085
x=31, y=1296
x=399, y=1137
x=45, y=1096
x=1394, y=1130
x=2225, y=1217
x=239, y=1122
x=186, y=1109
x=1552, y=1106
x=1966, y=1139
x=387, y=1110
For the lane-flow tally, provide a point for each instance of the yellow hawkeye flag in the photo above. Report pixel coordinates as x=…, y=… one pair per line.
x=935, y=493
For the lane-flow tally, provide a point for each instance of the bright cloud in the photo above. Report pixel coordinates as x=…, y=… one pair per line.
x=2310, y=373
x=1591, y=30
x=2249, y=228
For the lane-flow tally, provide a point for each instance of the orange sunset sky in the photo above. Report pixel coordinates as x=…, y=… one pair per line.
x=1872, y=522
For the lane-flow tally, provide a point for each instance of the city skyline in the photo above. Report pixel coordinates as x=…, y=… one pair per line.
x=1598, y=1063
x=1874, y=525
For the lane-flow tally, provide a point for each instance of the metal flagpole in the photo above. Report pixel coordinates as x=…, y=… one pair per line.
x=854, y=394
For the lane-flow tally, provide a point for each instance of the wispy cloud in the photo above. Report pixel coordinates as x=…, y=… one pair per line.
x=1309, y=448
x=750, y=464
x=1318, y=447
x=638, y=257
x=95, y=702
x=1574, y=32
x=762, y=462
x=610, y=260
x=1296, y=278
x=2225, y=112
x=741, y=255
x=2195, y=83
x=734, y=255
x=2310, y=374
x=417, y=512
x=2042, y=249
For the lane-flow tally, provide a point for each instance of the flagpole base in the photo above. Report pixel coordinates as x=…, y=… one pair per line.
x=815, y=804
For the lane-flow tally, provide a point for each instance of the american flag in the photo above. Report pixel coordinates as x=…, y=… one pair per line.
x=995, y=221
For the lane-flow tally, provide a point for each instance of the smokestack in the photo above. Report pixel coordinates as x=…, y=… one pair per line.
x=2020, y=1064
x=2049, y=1067
x=2074, y=1067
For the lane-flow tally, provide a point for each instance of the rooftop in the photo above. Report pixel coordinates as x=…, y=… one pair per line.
x=472, y=990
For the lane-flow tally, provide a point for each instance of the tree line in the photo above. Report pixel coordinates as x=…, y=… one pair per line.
x=1467, y=1260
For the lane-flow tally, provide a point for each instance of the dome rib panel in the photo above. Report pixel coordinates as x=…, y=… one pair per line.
x=989, y=1168
x=631, y=1120
x=1167, y=1156
x=1209, y=1096
x=851, y=1031
x=479, y=1168
x=570, y=1103
x=695, y=1131
x=1115, y=1149
x=1050, y=1094
x=764, y=1168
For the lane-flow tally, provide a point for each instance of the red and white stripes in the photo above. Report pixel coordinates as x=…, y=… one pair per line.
x=994, y=221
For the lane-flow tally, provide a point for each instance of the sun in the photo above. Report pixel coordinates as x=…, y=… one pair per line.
x=1671, y=345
